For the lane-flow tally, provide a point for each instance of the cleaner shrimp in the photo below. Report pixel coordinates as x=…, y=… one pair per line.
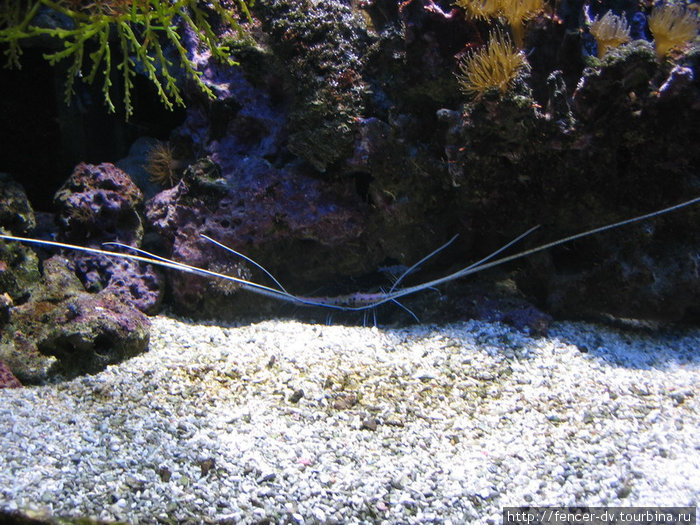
x=359, y=301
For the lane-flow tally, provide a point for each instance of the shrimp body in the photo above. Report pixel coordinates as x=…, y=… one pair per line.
x=358, y=301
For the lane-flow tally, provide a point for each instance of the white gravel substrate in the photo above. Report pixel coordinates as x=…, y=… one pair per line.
x=284, y=422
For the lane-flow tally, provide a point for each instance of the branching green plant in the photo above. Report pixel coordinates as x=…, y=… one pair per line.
x=88, y=31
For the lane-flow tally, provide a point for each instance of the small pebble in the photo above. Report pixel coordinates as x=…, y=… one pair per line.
x=412, y=425
x=296, y=396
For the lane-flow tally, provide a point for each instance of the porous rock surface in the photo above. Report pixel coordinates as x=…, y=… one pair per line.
x=63, y=331
x=98, y=204
x=354, y=111
x=50, y=326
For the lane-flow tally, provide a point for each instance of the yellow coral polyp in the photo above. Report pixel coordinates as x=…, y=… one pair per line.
x=495, y=66
x=480, y=8
x=610, y=31
x=515, y=12
x=162, y=165
x=672, y=27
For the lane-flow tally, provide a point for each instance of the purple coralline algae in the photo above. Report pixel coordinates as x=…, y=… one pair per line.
x=343, y=143
x=261, y=211
x=7, y=378
x=64, y=331
x=49, y=325
x=99, y=204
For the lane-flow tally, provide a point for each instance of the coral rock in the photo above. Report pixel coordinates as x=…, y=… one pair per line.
x=19, y=266
x=7, y=378
x=262, y=209
x=16, y=213
x=82, y=334
x=100, y=204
